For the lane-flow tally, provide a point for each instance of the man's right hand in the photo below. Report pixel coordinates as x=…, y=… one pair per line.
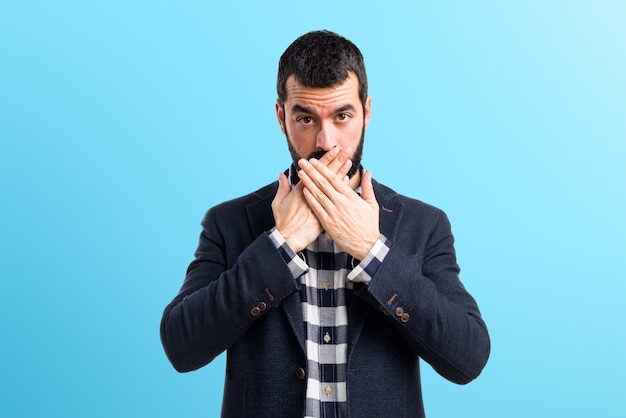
x=294, y=219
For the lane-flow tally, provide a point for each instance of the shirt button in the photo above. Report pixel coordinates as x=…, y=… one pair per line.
x=300, y=373
x=328, y=390
x=325, y=284
x=327, y=338
x=399, y=311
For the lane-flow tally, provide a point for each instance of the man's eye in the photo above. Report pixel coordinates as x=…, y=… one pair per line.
x=305, y=120
x=343, y=117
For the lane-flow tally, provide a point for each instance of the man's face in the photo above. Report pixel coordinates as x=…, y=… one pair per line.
x=315, y=120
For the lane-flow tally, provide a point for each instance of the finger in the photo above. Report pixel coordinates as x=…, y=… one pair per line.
x=318, y=188
x=320, y=178
x=330, y=156
x=346, y=162
x=283, y=187
x=333, y=179
x=341, y=164
x=337, y=160
x=367, y=189
x=318, y=209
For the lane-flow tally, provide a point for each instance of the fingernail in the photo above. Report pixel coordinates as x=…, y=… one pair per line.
x=302, y=162
x=334, y=151
x=313, y=162
x=347, y=152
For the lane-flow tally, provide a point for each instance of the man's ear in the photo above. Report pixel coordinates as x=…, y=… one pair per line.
x=280, y=114
x=367, y=112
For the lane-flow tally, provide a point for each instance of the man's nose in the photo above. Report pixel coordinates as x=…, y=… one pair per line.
x=326, y=138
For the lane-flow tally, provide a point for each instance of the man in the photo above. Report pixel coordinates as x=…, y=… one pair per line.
x=326, y=287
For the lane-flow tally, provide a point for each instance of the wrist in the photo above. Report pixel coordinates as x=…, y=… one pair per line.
x=291, y=240
x=364, y=249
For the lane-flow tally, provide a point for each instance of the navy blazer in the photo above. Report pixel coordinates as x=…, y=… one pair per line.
x=240, y=296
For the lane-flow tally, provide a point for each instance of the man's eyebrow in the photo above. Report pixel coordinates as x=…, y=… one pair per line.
x=302, y=109
x=344, y=108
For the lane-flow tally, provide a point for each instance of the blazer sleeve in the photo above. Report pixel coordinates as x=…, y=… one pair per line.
x=225, y=290
x=417, y=287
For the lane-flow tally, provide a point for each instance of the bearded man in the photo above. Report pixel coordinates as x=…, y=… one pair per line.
x=325, y=288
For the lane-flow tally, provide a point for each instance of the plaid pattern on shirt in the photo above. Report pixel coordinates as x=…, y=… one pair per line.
x=322, y=269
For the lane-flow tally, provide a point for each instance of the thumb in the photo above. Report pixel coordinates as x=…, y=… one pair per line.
x=367, y=190
x=283, y=187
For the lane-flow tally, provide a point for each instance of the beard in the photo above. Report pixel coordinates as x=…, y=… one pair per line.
x=356, y=155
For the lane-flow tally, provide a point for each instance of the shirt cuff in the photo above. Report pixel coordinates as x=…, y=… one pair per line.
x=296, y=264
x=366, y=269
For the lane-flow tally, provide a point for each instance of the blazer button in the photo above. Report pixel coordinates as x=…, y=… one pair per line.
x=255, y=311
x=300, y=373
x=383, y=310
x=405, y=317
x=262, y=306
x=399, y=311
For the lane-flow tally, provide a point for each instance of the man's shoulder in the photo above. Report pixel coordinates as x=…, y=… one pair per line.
x=238, y=204
x=407, y=217
x=384, y=192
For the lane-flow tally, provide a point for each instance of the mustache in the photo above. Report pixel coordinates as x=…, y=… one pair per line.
x=317, y=154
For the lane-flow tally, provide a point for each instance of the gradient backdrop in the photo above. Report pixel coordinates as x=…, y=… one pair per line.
x=122, y=122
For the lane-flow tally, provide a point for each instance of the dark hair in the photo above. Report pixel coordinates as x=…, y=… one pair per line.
x=321, y=59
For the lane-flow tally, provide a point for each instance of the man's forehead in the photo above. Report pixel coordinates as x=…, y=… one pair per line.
x=347, y=92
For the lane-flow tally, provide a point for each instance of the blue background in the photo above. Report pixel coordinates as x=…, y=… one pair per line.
x=122, y=122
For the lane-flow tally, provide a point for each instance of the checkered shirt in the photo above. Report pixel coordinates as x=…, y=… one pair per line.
x=326, y=274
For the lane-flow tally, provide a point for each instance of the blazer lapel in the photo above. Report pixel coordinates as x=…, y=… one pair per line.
x=261, y=219
x=260, y=216
x=389, y=215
